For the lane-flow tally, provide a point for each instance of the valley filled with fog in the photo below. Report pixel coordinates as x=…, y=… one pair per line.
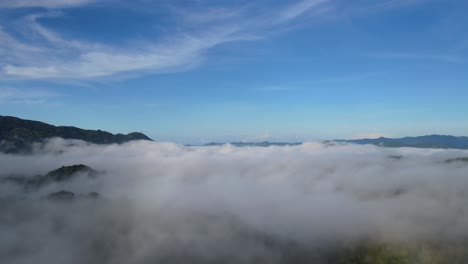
x=168, y=203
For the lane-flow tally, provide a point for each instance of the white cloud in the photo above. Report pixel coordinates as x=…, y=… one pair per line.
x=161, y=199
x=399, y=3
x=13, y=50
x=31, y=72
x=43, y=3
x=299, y=8
x=49, y=55
x=27, y=96
x=45, y=54
x=60, y=58
x=54, y=39
x=178, y=53
x=97, y=60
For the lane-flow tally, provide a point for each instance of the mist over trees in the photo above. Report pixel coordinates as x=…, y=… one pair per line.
x=163, y=202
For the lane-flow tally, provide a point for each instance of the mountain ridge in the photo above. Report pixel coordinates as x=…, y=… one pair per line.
x=248, y=144
x=427, y=141
x=17, y=135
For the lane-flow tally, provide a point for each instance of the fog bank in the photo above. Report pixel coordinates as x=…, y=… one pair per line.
x=167, y=203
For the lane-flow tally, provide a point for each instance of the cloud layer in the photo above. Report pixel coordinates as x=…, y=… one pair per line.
x=166, y=202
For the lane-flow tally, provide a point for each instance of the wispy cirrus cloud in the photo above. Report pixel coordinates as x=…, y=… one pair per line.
x=43, y=3
x=26, y=96
x=57, y=57
x=299, y=8
x=399, y=3
x=51, y=55
x=13, y=50
x=175, y=54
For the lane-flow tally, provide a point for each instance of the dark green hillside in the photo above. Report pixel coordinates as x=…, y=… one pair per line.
x=17, y=135
x=61, y=174
x=66, y=172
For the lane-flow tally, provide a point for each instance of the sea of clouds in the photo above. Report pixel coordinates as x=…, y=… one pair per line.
x=168, y=203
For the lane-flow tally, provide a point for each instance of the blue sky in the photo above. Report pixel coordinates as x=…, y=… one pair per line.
x=198, y=71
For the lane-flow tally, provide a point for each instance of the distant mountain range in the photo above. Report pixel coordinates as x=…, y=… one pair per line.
x=17, y=135
x=252, y=144
x=430, y=141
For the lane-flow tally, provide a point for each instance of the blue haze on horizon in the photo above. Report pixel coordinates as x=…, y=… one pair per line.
x=200, y=71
